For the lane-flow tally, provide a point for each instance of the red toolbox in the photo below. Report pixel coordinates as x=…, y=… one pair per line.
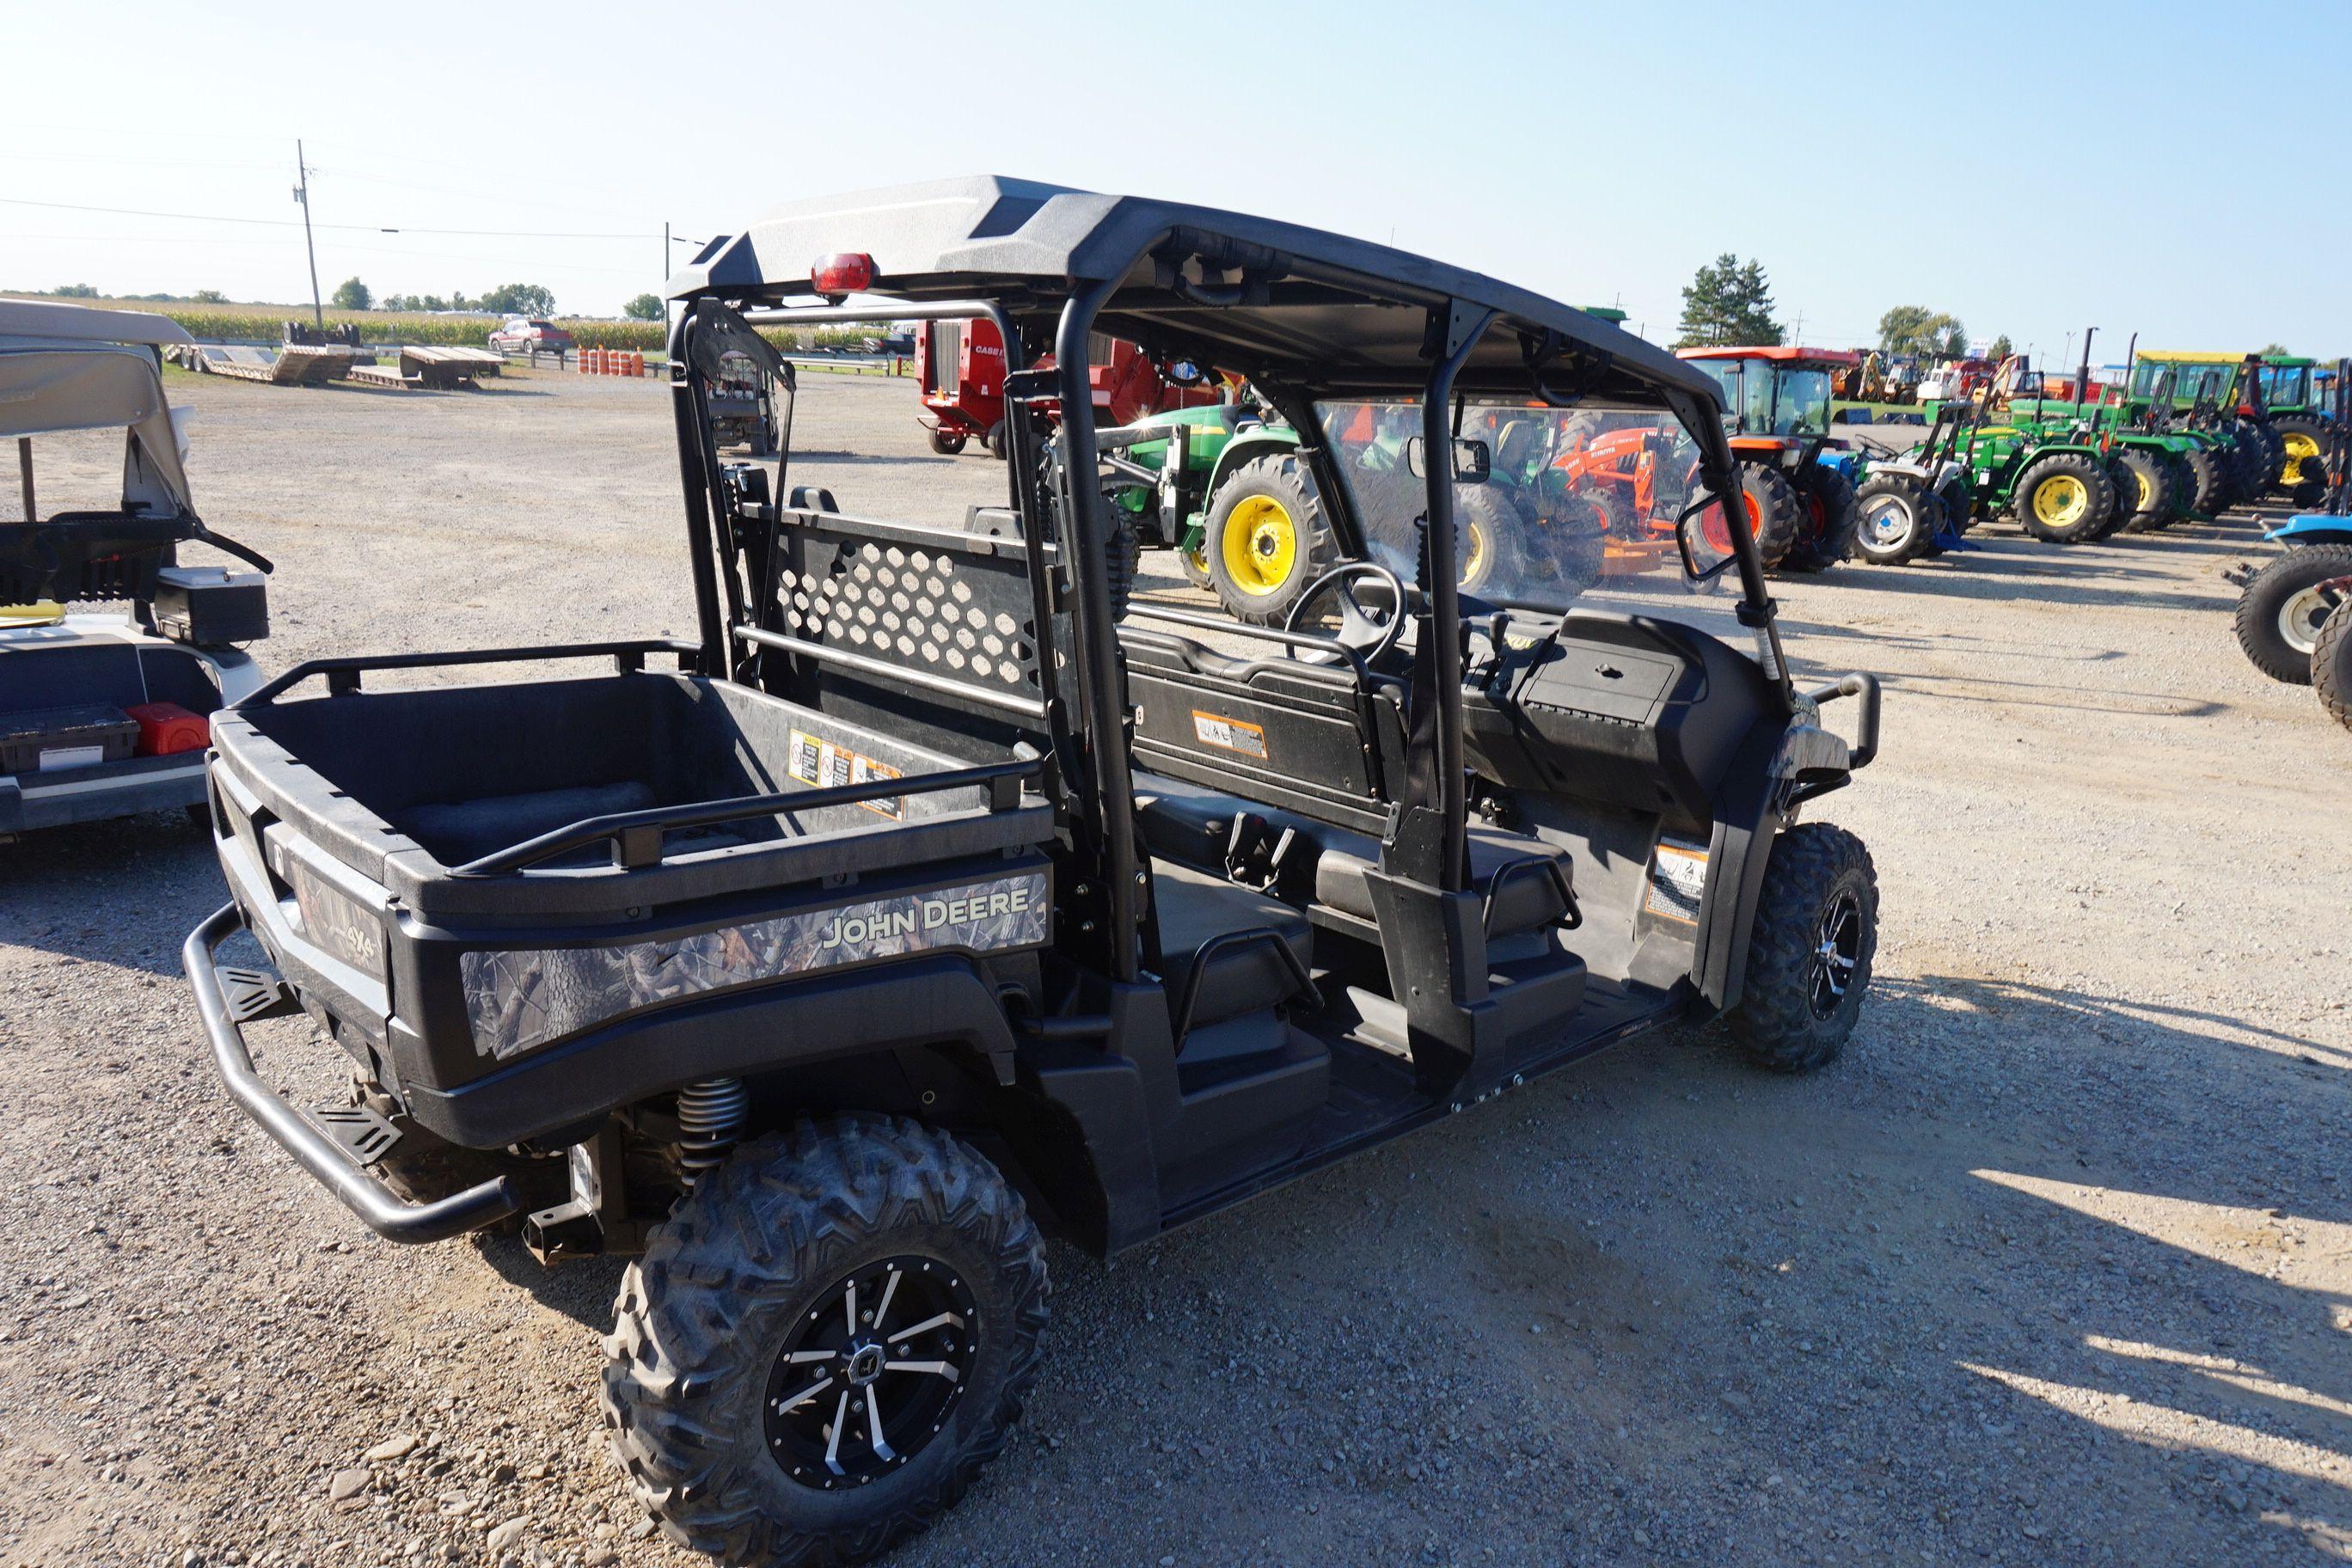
x=165, y=727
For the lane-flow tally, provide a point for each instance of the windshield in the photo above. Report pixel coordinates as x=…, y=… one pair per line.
x=1762, y=398
x=2287, y=384
x=1579, y=509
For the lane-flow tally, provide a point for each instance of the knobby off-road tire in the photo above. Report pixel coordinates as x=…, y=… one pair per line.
x=1897, y=518
x=1773, y=509
x=424, y=1166
x=1831, y=518
x=1490, y=538
x=2064, y=498
x=1282, y=540
x=700, y=1390
x=2143, y=491
x=2331, y=666
x=2285, y=606
x=1809, y=958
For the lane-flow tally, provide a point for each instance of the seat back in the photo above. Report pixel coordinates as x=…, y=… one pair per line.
x=1318, y=740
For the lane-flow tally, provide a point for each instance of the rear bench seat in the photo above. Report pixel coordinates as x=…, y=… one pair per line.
x=1525, y=886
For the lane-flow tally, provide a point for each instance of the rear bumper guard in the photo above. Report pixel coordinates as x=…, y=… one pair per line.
x=228, y=999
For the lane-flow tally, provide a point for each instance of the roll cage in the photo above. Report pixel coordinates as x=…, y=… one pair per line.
x=1302, y=315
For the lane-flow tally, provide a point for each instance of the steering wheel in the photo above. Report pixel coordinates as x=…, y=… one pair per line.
x=1362, y=632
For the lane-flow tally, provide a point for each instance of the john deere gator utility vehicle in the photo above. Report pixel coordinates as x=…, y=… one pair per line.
x=926, y=908
x=1777, y=403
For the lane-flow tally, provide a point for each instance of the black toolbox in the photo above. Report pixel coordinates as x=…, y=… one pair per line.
x=208, y=606
x=53, y=738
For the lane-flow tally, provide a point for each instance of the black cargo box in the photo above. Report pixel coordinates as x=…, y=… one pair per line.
x=208, y=608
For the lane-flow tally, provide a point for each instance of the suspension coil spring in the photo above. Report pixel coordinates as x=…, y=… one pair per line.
x=709, y=1114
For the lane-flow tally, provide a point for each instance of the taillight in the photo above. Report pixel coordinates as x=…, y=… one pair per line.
x=849, y=272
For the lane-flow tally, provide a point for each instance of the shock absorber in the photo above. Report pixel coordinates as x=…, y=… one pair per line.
x=709, y=1114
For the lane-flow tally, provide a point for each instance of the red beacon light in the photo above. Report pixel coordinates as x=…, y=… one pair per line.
x=847, y=272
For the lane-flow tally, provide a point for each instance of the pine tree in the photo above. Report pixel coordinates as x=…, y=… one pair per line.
x=1728, y=302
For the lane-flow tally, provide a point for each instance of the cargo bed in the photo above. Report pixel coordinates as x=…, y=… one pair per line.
x=450, y=878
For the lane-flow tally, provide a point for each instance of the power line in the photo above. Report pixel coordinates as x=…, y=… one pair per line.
x=349, y=227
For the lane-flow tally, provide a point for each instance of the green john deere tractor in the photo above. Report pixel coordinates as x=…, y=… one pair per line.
x=2220, y=395
x=2057, y=481
x=2297, y=409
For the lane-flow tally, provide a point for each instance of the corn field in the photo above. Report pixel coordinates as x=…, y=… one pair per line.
x=266, y=323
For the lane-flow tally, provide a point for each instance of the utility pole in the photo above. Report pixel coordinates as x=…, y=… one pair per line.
x=303, y=195
x=664, y=271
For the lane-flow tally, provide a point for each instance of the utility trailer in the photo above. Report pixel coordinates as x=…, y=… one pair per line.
x=926, y=905
x=432, y=368
x=103, y=714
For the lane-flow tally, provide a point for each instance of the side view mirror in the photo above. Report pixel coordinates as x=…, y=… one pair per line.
x=1705, y=539
x=1473, y=463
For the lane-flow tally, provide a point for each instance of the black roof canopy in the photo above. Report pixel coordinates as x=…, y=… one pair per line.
x=1317, y=310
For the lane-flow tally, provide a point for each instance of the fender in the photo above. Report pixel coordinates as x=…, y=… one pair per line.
x=2313, y=528
x=1244, y=447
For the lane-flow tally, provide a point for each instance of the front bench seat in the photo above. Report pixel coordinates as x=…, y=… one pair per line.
x=1525, y=884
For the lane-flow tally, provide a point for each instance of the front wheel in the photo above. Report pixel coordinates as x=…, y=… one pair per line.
x=1809, y=955
x=1897, y=520
x=2286, y=603
x=825, y=1343
x=1267, y=539
x=945, y=444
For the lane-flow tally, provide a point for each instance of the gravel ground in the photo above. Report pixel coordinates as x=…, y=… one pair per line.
x=2053, y=1267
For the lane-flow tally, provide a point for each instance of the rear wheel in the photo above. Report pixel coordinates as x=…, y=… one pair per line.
x=2286, y=603
x=1959, y=499
x=825, y=1343
x=2331, y=666
x=999, y=441
x=1831, y=519
x=2305, y=440
x=2064, y=498
x=2208, y=478
x=2143, y=491
x=945, y=444
x=1267, y=539
x=1896, y=520
x=1809, y=955
x=1775, y=512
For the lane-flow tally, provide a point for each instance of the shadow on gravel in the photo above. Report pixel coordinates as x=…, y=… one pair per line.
x=1993, y=692
x=582, y=1291
x=98, y=890
x=2001, y=1284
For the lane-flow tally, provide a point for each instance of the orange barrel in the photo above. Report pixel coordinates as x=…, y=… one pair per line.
x=638, y=365
x=580, y=356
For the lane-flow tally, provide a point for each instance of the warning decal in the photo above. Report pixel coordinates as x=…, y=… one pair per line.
x=1678, y=880
x=1231, y=734
x=828, y=766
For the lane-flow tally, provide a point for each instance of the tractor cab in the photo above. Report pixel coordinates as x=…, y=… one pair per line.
x=1774, y=399
x=1776, y=410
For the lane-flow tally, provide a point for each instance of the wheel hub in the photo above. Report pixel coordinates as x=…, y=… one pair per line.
x=2303, y=615
x=1837, y=954
x=867, y=1378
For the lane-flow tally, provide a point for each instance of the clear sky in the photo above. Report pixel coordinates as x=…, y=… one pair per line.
x=2027, y=168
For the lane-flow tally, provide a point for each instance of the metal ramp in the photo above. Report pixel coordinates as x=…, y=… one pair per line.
x=433, y=368
x=296, y=364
